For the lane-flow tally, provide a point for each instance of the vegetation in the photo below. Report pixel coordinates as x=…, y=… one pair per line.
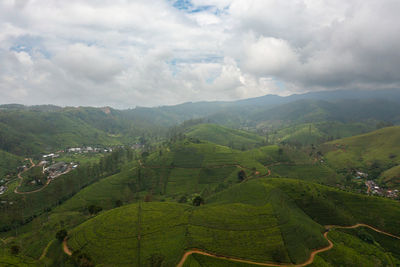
x=20, y=209
x=264, y=194
x=8, y=165
x=61, y=235
x=373, y=153
x=236, y=139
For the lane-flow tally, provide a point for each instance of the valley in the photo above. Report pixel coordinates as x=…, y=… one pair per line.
x=162, y=187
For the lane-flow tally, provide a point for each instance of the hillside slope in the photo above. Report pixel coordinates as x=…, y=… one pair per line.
x=374, y=152
x=225, y=136
x=237, y=222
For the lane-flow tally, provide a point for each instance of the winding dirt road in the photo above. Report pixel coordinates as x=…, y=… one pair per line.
x=66, y=248
x=210, y=254
x=37, y=190
x=22, y=179
x=309, y=261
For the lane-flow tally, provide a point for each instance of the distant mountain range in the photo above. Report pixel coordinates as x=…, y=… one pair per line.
x=27, y=130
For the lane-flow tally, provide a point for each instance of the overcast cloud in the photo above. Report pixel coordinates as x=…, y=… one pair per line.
x=125, y=53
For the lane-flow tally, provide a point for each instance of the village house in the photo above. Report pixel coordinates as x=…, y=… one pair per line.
x=2, y=189
x=56, y=169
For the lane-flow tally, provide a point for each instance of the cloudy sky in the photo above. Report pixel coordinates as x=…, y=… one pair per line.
x=127, y=53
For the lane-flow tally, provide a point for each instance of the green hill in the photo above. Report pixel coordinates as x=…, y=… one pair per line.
x=373, y=152
x=8, y=164
x=317, y=133
x=236, y=139
x=236, y=222
x=182, y=170
x=391, y=177
x=28, y=131
x=32, y=132
x=342, y=110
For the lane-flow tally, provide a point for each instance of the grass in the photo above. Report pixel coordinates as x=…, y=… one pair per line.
x=167, y=229
x=196, y=260
x=391, y=177
x=381, y=146
x=254, y=220
x=316, y=133
x=8, y=164
x=103, y=193
x=217, y=134
x=268, y=219
x=350, y=250
x=10, y=261
x=112, y=237
x=34, y=175
x=81, y=158
x=265, y=219
x=327, y=205
x=313, y=173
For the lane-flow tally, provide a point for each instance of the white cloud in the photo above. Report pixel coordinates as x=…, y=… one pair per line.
x=127, y=53
x=268, y=56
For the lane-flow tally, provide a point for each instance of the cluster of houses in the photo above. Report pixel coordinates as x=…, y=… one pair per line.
x=51, y=156
x=374, y=189
x=3, y=189
x=59, y=168
x=88, y=149
x=360, y=175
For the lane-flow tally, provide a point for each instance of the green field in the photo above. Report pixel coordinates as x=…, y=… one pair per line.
x=8, y=164
x=33, y=179
x=217, y=134
x=381, y=147
x=306, y=134
x=278, y=219
x=351, y=250
x=391, y=177
x=376, y=153
x=270, y=220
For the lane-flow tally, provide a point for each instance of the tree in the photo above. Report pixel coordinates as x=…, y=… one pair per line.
x=241, y=175
x=61, y=235
x=93, y=209
x=14, y=249
x=148, y=198
x=118, y=203
x=198, y=200
x=156, y=260
x=183, y=199
x=82, y=259
x=279, y=255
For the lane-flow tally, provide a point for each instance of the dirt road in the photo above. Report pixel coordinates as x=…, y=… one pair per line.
x=309, y=261
x=21, y=178
x=40, y=189
x=66, y=248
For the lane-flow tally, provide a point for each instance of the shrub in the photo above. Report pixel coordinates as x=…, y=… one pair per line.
x=61, y=235
x=197, y=201
x=93, y=209
x=15, y=249
x=241, y=175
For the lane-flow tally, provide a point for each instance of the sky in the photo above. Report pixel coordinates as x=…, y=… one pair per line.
x=124, y=54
